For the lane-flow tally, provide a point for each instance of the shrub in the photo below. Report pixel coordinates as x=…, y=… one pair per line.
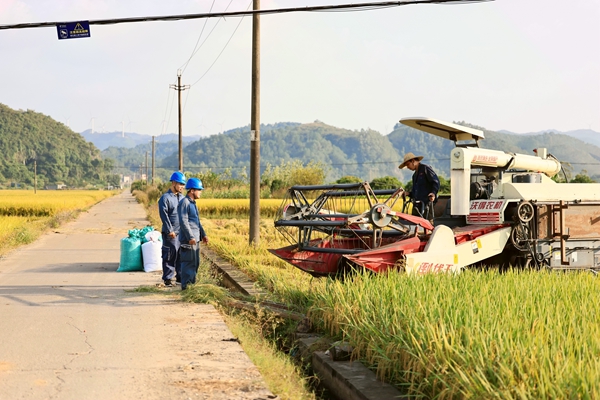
x=387, y=182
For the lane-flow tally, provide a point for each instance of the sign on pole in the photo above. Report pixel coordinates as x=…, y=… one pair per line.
x=72, y=30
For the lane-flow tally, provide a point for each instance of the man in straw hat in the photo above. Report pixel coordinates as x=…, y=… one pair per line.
x=425, y=183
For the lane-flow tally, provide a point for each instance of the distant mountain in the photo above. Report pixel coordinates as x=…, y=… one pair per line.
x=363, y=153
x=129, y=140
x=585, y=135
x=132, y=158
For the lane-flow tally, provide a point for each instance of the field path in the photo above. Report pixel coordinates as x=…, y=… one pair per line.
x=70, y=330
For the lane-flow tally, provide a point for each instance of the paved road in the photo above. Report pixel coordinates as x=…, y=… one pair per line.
x=70, y=330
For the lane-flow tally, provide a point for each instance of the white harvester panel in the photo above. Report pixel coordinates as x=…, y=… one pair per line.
x=463, y=159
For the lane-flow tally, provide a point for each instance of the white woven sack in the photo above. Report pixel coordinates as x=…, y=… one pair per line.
x=151, y=255
x=152, y=236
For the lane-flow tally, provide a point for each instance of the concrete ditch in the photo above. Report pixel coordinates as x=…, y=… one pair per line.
x=343, y=379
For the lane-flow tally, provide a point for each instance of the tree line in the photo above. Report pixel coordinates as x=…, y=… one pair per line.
x=362, y=153
x=36, y=147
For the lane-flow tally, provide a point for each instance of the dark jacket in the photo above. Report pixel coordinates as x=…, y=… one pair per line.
x=167, y=209
x=425, y=181
x=189, y=221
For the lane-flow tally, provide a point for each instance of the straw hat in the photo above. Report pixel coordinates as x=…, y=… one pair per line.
x=408, y=157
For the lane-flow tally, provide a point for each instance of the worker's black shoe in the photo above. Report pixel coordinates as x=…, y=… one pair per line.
x=169, y=283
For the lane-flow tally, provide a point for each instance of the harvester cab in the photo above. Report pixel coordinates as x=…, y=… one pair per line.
x=504, y=209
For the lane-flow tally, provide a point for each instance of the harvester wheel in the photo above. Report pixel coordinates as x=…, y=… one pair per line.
x=541, y=262
x=400, y=265
x=519, y=237
x=525, y=211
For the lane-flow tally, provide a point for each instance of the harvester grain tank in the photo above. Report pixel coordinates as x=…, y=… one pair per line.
x=504, y=209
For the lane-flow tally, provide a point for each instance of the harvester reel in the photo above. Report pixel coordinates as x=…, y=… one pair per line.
x=525, y=211
x=379, y=215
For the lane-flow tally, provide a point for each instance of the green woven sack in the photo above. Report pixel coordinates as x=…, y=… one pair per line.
x=140, y=233
x=131, y=255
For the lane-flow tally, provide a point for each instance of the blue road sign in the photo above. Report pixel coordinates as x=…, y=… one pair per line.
x=72, y=30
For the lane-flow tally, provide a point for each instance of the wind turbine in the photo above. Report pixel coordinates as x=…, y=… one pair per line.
x=201, y=126
x=122, y=129
x=92, y=120
x=129, y=123
x=67, y=119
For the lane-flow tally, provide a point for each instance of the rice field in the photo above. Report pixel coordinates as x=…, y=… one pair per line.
x=46, y=203
x=518, y=335
x=24, y=215
x=238, y=208
x=474, y=335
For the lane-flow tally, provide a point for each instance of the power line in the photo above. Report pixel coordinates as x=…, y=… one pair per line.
x=184, y=66
x=222, y=50
x=207, y=36
x=165, y=122
x=347, y=7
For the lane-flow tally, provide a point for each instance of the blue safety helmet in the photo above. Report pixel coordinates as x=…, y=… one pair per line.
x=178, y=177
x=194, y=183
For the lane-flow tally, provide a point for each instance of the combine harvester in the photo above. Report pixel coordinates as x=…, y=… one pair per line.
x=505, y=210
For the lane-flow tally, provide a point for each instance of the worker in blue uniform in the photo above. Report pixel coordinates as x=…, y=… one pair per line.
x=425, y=184
x=167, y=210
x=191, y=232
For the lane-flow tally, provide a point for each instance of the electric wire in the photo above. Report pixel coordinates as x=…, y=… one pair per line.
x=218, y=56
x=187, y=95
x=165, y=121
x=196, y=50
x=348, y=7
x=183, y=68
x=222, y=50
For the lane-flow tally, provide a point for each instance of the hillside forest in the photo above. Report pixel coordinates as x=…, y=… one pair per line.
x=36, y=147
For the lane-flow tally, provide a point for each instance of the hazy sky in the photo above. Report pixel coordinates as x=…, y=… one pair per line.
x=520, y=65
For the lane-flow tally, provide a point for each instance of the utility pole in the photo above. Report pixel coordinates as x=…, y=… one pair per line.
x=34, y=176
x=255, y=131
x=153, y=153
x=179, y=89
x=146, y=168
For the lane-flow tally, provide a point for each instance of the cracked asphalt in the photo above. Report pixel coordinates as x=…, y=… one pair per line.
x=69, y=329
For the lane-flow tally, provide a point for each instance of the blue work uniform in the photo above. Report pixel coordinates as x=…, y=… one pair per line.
x=424, y=181
x=190, y=228
x=167, y=209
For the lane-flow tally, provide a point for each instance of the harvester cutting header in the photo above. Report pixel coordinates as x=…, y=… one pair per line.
x=504, y=209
